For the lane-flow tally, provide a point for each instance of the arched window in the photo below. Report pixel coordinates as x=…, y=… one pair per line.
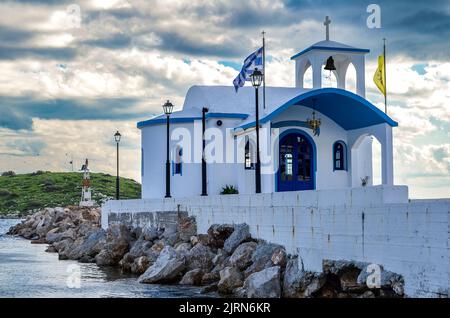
x=339, y=156
x=248, y=160
x=178, y=164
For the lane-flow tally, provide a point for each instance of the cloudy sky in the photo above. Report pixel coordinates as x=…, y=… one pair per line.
x=73, y=72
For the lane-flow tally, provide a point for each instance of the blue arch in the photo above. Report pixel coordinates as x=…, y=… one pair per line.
x=313, y=144
x=345, y=155
x=348, y=110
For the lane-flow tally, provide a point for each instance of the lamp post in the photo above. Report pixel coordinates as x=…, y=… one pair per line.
x=117, y=136
x=204, y=188
x=257, y=78
x=167, y=107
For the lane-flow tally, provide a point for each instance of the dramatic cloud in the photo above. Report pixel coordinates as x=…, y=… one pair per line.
x=73, y=72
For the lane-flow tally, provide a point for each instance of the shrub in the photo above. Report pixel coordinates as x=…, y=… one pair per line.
x=229, y=189
x=5, y=193
x=34, y=204
x=8, y=174
x=38, y=173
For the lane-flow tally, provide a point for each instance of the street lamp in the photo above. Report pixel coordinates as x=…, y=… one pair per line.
x=257, y=78
x=117, y=136
x=167, y=107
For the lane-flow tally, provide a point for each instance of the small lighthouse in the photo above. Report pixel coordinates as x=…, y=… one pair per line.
x=86, y=196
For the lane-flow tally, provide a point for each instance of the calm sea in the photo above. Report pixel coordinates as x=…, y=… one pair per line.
x=26, y=270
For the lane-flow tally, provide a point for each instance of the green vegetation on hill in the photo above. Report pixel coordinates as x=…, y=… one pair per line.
x=26, y=192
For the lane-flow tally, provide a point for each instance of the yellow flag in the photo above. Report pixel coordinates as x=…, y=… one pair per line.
x=380, y=76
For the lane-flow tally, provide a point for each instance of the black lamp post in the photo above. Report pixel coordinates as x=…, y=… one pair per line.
x=168, y=107
x=257, y=78
x=204, y=188
x=117, y=136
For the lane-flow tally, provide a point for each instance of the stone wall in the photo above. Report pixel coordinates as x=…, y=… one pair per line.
x=375, y=224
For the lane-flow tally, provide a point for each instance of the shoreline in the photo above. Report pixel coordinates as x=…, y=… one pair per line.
x=226, y=260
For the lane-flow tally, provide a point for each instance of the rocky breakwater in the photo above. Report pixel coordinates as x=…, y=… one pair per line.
x=226, y=259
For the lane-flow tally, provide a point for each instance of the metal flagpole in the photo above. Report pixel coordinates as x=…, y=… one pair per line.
x=384, y=79
x=264, y=69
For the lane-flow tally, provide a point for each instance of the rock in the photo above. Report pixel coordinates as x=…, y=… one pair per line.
x=187, y=227
x=141, y=264
x=192, y=277
x=118, y=240
x=242, y=256
x=170, y=236
x=200, y=256
x=240, y=292
x=166, y=269
x=367, y=294
x=264, y=284
x=158, y=246
x=240, y=234
x=209, y=289
x=298, y=283
x=126, y=262
x=45, y=225
x=194, y=240
x=50, y=249
x=140, y=248
x=210, y=278
x=279, y=257
x=183, y=248
x=388, y=280
x=263, y=255
x=53, y=236
x=230, y=279
x=150, y=233
x=91, y=246
x=217, y=234
x=203, y=239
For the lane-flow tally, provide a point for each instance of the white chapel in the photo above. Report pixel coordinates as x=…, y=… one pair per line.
x=309, y=138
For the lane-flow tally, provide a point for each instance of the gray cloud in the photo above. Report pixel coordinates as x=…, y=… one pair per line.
x=17, y=112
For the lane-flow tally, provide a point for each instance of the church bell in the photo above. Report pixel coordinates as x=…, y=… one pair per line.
x=330, y=64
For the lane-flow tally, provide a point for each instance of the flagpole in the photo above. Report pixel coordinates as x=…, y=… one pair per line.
x=264, y=69
x=384, y=73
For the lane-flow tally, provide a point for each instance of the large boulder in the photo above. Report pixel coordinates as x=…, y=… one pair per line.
x=264, y=284
x=263, y=255
x=218, y=233
x=91, y=246
x=230, y=279
x=187, y=227
x=118, y=240
x=240, y=234
x=141, y=264
x=166, y=269
x=192, y=277
x=242, y=255
x=150, y=233
x=200, y=256
x=298, y=283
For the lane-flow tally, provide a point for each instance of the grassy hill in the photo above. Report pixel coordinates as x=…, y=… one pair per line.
x=26, y=192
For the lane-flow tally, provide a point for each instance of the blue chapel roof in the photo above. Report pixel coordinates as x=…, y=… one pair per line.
x=348, y=110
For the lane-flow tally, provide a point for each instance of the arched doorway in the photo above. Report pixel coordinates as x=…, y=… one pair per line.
x=296, y=163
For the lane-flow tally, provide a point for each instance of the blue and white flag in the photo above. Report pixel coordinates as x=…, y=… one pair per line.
x=254, y=60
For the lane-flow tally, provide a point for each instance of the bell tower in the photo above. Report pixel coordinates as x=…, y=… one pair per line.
x=330, y=56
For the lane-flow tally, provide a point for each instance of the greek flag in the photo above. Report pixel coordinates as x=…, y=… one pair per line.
x=254, y=60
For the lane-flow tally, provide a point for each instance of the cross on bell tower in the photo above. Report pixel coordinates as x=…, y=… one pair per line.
x=326, y=23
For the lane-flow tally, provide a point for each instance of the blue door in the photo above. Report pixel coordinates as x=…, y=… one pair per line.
x=296, y=163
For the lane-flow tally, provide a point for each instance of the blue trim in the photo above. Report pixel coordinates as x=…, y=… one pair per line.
x=156, y=121
x=345, y=155
x=313, y=144
x=327, y=48
x=347, y=109
x=292, y=123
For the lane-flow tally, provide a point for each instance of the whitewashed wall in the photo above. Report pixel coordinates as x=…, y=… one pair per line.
x=373, y=224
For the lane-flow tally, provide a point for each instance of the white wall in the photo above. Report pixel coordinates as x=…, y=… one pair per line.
x=374, y=224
